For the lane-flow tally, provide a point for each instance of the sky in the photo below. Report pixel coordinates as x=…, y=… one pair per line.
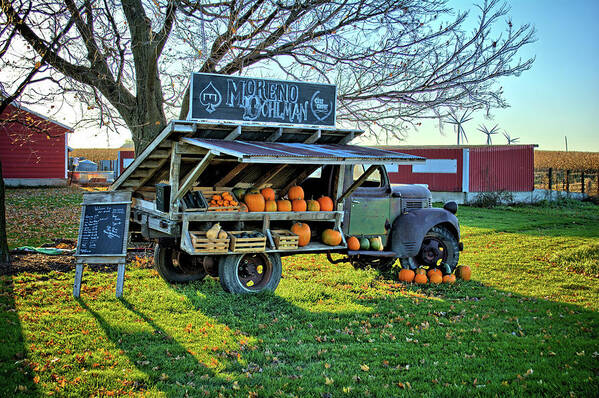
x=557, y=97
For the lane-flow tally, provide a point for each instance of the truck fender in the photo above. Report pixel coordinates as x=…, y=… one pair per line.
x=409, y=229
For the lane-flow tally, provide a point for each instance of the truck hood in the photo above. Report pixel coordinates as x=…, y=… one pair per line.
x=411, y=191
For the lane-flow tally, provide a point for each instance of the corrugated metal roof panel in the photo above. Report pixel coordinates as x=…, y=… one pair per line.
x=251, y=152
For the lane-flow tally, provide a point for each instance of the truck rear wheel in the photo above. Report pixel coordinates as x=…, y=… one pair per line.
x=439, y=246
x=250, y=273
x=176, y=266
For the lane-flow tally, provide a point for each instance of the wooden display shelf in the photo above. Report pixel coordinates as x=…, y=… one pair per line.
x=246, y=245
x=208, y=192
x=201, y=244
x=284, y=239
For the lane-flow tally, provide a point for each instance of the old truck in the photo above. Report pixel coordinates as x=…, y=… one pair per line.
x=173, y=180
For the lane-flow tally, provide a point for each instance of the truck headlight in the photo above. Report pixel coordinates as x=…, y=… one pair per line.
x=451, y=207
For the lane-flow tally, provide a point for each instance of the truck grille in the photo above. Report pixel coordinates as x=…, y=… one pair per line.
x=414, y=204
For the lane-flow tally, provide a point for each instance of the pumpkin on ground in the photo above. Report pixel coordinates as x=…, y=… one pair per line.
x=268, y=193
x=463, y=272
x=406, y=275
x=420, y=271
x=255, y=201
x=364, y=244
x=420, y=279
x=331, y=237
x=326, y=203
x=434, y=271
x=283, y=205
x=353, y=243
x=449, y=279
x=295, y=192
x=313, y=205
x=302, y=230
x=298, y=205
x=436, y=278
x=270, y=205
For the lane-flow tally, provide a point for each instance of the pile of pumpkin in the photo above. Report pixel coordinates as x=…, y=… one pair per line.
x=329, y=236
x=364, y=243
x=265, y=200
x=434, y=275
x=223, y=200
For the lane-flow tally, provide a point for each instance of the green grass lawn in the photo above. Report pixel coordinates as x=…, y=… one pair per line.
x=527, y=324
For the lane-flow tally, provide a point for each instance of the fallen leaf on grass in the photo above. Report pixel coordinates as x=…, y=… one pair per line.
x=365, y=368
x=328, y=381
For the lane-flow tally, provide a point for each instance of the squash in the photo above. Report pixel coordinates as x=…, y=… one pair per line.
x=252, y=190
x=313, y=205
x=449, y=279
x=295, y=192
x=212, y=233
x=326, y=203
x=270, y=205
x=302, y=230
x=463, y=272
x=239, y=193
x=243, y=208
x=268, y=193
x=376, y=243
x=434, y=271
x=298, y=205
x=331, y=237
x=283, y=205
x=364, y=244
x=420, y=279
x=406, y=275
x=420, y=271
x=436, y=278
x=353, y=243
x=222, y=234
x=255, y=201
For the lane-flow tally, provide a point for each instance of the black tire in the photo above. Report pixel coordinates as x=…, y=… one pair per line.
x=176, y=266
x=447, y=252
x=250, y=273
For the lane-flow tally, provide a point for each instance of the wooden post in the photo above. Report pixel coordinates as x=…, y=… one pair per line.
x=120, y=280
x=567, y=180
x=550, y=175
x=582, y=180
x=78, y=277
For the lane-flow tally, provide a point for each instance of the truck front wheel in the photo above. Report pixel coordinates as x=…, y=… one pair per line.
x=176, y=266
x=250, y=273
x=439, y=246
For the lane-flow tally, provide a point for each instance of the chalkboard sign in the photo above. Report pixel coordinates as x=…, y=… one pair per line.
x=104, y=225
x=233, y=98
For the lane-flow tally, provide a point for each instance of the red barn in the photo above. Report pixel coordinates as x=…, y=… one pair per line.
x=468, y=169
x=33, y=148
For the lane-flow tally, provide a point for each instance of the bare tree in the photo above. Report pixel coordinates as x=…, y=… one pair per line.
x=495, y=130
x=128, y=62
x=509, y=139
x=458, y=123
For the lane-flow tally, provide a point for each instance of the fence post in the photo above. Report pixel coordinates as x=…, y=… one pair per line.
x=550, y=175
x=567, y=180
x=582, y=180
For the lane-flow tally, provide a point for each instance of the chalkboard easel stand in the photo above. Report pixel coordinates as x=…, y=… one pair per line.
x=103, y=233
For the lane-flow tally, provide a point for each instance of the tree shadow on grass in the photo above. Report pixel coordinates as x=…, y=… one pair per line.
x=16, y=374
x=313, y=340
x=168, y=366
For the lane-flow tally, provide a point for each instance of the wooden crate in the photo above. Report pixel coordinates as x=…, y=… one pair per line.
x=246, y=245
x=207, y=193
x=284, y=239
x=201, y=244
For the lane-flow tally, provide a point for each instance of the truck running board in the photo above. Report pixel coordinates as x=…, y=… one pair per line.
x=373, y=253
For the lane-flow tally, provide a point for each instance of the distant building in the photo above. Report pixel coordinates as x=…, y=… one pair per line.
x=33, y=148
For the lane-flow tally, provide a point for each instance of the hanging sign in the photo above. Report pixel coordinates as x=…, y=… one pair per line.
x=233, y=98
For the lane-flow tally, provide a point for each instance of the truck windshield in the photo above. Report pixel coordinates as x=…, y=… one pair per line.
x=373, y=181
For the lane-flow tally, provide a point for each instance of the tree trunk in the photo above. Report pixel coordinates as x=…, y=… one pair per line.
x=4, y=255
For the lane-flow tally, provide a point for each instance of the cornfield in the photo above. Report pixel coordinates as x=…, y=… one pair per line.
x=561, y=160
x=96, y=154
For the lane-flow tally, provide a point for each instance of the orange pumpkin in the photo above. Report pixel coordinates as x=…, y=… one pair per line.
x=434, y=271
x=420, y=271
x=331, y=237
x=353, y=243
x=449, y=279
x=255, y=201
x=270, y=205
x=298, y=205
x=313, y=205
x=283, y=205
x=295, y=192
x=243, y=208
x=406, y=275
x=436, y=278
x=303, y=231
x=420, y=279
x=326, y=203
x=268, y=193
x=463, y=272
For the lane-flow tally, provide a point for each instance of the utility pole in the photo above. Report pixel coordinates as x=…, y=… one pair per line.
x=566, y=138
